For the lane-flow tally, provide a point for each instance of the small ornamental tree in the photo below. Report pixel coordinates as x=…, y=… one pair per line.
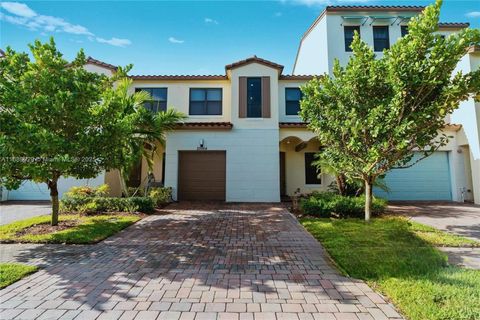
x=57, y=119
x=47, y=114
x=373, y=114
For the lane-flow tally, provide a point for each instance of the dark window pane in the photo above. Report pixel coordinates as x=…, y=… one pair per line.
x=292, y=101
x=197, y=95
x=292, y=108
x=197, y=108
x=214, y=95
x=159, y=99
x=205, y=101
x=293, y=94
x=404, y=30
x=254, y=97
x=159, y=94
x=214, y=107
x=381, y=39
x=349, y=33
x=312, y=176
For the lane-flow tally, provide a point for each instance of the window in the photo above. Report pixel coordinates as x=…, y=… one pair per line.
x=381, y=39
x=312, y=174
x=205, y=101
x=349, y=33
x=292, y=101
x=404, y=30
x=254, y=97
x=159, y=99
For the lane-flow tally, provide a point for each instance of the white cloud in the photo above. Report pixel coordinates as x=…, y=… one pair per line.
x=473, y=14
x=210, y=21
x=175, y=40
x=115, y=42
x=18, y=9
x=20, y=14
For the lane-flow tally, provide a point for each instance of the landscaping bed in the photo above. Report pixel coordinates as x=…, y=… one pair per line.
x=12, y=272
x=398, y=258
x=72, y=229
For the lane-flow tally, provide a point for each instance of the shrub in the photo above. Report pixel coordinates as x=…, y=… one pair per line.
x=327, y=204
x=161, y=196
x=87, y=191
x=87, y=200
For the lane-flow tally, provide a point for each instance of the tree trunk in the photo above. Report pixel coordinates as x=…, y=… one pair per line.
x=52, y=185
x=368, y=199
x=341, y=184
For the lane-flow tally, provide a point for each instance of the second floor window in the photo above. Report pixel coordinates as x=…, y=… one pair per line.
x=381, y=39
x=205, y=101
x=349, y=33
x=159, y=99
x=254, y=97
x=404, y=30
x=292, y=101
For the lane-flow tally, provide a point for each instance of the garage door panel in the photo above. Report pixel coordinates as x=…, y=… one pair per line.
x=428, y=179
x=202, y=175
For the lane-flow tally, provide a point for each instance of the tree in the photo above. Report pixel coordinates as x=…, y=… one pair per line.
x=57, y=119
x=373, y=114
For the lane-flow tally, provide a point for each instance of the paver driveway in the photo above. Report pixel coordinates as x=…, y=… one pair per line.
x=225, y=262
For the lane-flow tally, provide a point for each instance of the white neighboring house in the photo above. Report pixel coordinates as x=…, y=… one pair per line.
x=452, y=173
x=39, y=191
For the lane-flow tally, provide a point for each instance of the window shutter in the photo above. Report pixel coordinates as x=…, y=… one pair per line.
x=242, y=97
x=265, y=97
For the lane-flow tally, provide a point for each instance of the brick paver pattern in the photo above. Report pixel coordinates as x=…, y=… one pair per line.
x=244, y=262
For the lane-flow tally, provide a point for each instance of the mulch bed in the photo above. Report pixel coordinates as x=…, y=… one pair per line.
x=45, y=228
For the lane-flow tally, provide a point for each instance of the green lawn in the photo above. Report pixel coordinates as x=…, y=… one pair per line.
x=91, y=229
x=397, y=257
x=11, y=272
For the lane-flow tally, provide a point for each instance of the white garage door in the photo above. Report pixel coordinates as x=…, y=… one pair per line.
x=429, y=179
x=39, y=191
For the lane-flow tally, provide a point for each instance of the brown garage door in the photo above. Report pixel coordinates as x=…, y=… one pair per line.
x=201, y=175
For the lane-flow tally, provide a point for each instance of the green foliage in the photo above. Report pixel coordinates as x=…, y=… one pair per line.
x=327, y=204
x=87, y=191
x=373, y=113
x=391, y=256
x=12, y=272
x=90, y=229
x=161, y=196
x=93, y=205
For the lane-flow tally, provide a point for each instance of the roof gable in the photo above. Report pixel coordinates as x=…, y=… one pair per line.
x=254, y=59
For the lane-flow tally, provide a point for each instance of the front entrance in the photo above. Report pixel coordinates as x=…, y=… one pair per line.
x=201, y=175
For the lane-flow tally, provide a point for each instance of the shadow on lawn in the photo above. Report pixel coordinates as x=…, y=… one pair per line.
x=227, y=248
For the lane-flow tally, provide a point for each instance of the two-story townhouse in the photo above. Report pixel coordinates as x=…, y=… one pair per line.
x=452, y=173
x=236, y=144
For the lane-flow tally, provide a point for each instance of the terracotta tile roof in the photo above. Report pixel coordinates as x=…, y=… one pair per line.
x=297, y=77
x=374, y=8
x=292, y=124
x=99, y=63
x=205, y=125
x=254, y=59
x=473, y=49
x=178, y=77
x=452, y=126
x=453, y=25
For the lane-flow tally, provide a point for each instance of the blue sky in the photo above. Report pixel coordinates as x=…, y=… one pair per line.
x=182, y=37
